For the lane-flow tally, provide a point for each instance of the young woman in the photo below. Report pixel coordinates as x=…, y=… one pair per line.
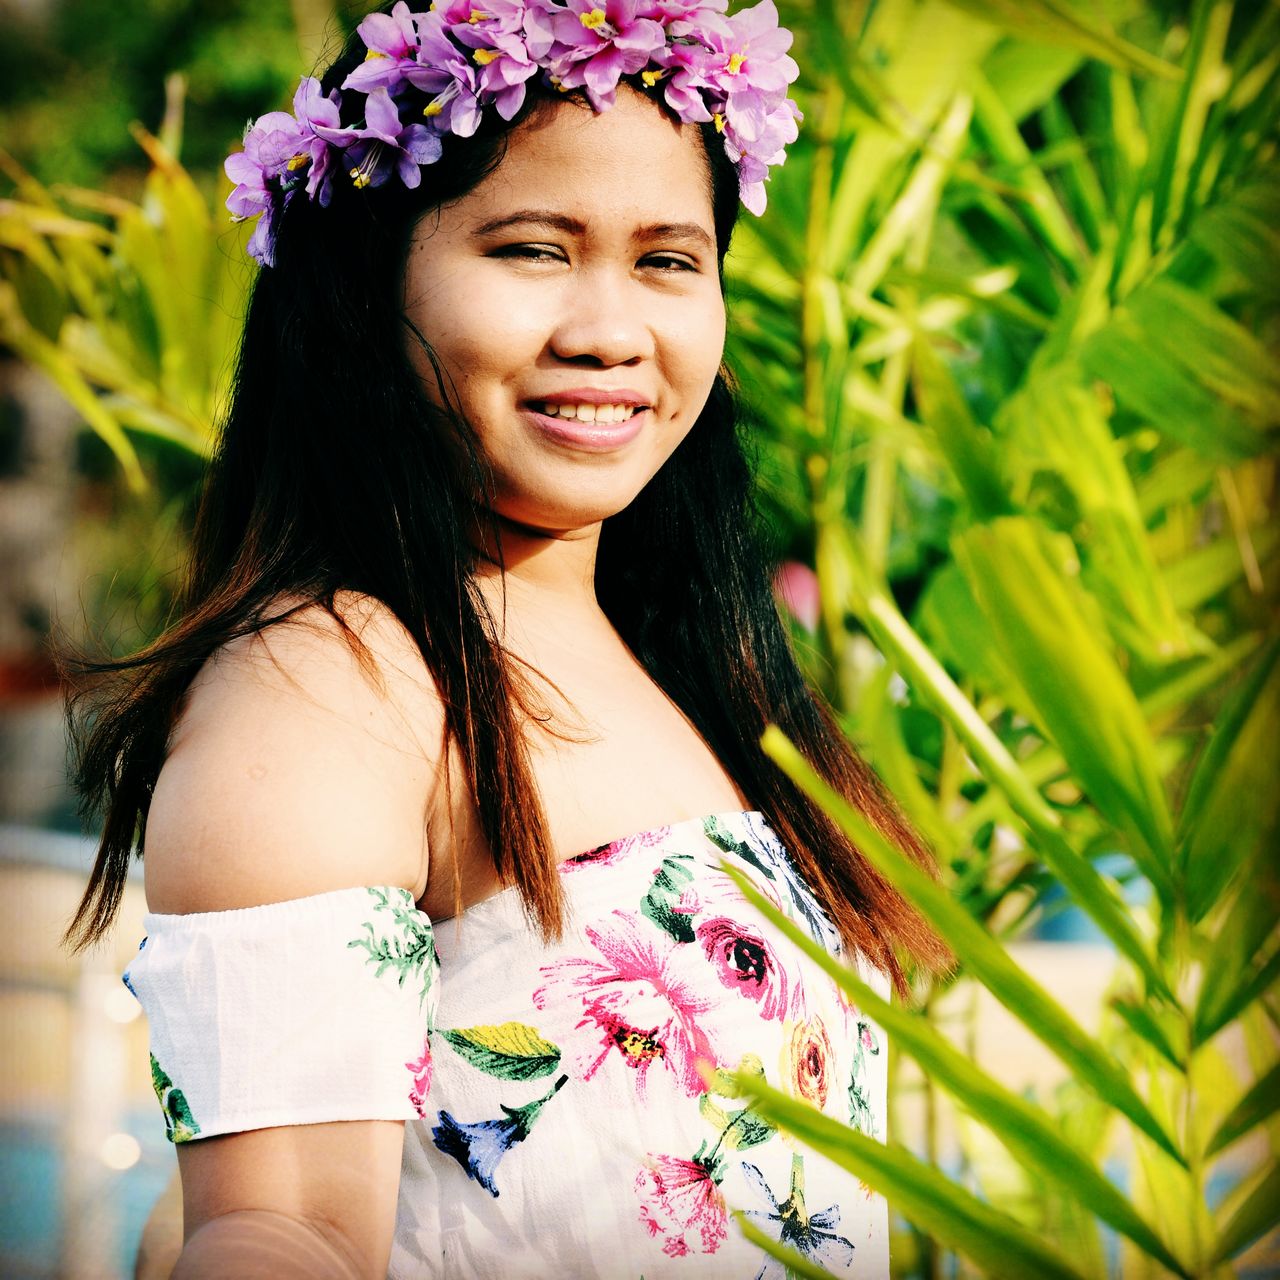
x=476, y=591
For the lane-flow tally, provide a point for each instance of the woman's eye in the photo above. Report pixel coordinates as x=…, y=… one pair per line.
x=668, y=262
x=530, y=253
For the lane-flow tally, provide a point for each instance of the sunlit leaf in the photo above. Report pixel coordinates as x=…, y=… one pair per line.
x=1025, y=1130
x=982, y=956
x=999, y=1244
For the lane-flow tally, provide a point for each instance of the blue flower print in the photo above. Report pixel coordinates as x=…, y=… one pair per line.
x=480, y=1146
x=814, y=1237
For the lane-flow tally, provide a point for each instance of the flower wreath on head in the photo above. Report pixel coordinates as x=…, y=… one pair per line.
x=430, y=74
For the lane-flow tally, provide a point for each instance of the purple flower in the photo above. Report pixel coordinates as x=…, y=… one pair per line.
x=669, y=12
x=270, y=147
x=479, y=1147
x=314, y=111
x=499, y=46
x=597, y=44
x=815, y=1237
x=446, y=73
x=384, y=144
x=392, y=42
x=688, y=67
x=754, y=157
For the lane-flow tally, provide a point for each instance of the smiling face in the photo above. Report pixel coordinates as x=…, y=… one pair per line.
x=573, y=301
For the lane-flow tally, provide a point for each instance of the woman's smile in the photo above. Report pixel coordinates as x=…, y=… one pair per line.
x=596, y=311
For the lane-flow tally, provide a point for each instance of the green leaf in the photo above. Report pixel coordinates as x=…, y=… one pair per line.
x=1026, y=76
x=1232, y=810
x=672, y=878
x=1242, y=235
x=1149, y=382
x=1220, y=1004
x=1058, y=22
x=1204, y=573
x=1000, y=1245
x=37, y=350
x=1219, y=353
x=1080, y=697
x=1057, y=427
x=1259, y=1213
x=510, y=1051
x=1202, y=83
x=1259, y=1104
x=985, y=958
x=968, y=448
x=1139, y=1019
x=1031, y=1136
x=851, y=586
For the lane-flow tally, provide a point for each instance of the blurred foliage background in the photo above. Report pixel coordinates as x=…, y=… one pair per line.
x=1009, y=330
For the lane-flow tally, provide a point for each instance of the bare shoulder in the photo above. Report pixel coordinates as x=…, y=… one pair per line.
x=303, y=760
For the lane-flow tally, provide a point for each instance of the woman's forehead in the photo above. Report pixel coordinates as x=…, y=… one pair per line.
x=632, y=163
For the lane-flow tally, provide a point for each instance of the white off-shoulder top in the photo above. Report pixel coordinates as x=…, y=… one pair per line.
x=559, y=1121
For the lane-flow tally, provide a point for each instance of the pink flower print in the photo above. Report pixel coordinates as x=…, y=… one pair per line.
x=746, y=962
x=421, y=1069
x=681, y=1204
x=641, y=1005
x=616, y=850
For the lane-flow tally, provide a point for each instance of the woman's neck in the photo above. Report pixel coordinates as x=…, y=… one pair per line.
x=547, y=578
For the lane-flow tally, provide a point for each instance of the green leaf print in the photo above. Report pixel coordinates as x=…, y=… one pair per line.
x=179, y=1124
x=510, y=1051
x=724, y=1085
x=409, y=947
x=739, y=1130
x=860, y=1115
x=659, y=904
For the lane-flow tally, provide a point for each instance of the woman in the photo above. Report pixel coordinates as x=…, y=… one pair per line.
x=476, y=590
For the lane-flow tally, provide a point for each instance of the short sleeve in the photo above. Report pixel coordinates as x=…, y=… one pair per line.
x=297, y=1012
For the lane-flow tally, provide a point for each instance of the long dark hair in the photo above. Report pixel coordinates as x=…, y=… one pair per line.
x=333, y=475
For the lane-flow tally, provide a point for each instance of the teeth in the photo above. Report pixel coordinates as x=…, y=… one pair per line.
x=606, y=413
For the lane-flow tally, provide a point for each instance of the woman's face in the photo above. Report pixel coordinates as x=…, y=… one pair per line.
x=579, y=275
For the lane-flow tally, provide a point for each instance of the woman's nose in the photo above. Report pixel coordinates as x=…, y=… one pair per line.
x=601, y=321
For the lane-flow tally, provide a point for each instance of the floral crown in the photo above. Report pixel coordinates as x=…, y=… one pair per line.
x=430, y=74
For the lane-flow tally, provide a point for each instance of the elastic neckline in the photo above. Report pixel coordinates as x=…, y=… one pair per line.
x=633, y=839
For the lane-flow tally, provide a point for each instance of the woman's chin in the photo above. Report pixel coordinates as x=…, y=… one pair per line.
x=559, y=515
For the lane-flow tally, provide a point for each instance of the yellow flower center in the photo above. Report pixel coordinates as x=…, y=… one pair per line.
x=433, y=108
x=735, y=63
x=296, y=162
x=486, y=56
x=557, y=83
x=651, y=78
x=373, y=53
x=593, y=19
x=359, y=179
x=478, y=15
x=719, y=119
x=638, y=1046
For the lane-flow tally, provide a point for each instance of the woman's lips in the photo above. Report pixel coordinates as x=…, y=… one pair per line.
x=595, y=437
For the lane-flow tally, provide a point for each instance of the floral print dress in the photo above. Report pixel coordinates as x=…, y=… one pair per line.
x=569, y=1106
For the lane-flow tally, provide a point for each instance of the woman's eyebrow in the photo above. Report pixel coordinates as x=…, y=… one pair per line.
x=573, y=226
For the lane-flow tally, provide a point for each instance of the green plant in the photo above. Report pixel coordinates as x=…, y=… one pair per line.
x=133, y=313
x=1012, y=327
x=1009, y=326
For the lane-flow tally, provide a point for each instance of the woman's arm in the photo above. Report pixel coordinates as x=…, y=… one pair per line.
x=300, y=1200
x=291, y=774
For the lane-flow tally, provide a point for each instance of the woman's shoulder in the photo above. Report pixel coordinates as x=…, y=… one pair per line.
x=302, y=761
